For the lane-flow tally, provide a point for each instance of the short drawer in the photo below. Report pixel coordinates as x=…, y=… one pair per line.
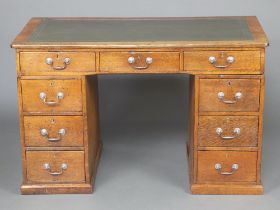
x=55, y=166
x=229, y=95
x=56, y=62
x=139, y=62
x=51, y=95
x=226, y=166
x=228, y=131
x=48, y=131
x=222, y=61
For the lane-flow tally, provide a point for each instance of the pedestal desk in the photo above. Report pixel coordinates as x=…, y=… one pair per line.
x=58, y=60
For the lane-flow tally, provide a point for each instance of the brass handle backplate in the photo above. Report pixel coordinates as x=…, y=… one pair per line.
x=66, y=62
x=47, y=167
x=44, y=132
x=221, y=97
x=234, y=168
x=148, y=61
x=59, y=97
x=236, y=131
x=213, y=60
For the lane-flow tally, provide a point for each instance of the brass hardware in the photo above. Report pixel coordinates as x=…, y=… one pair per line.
x=59, y=96
x=131, y=60
x=61, y=132
x=213, y=61
x=236, y=131
x=237, y=97
x=66, y=62
x=47, y=167
x=234, y=168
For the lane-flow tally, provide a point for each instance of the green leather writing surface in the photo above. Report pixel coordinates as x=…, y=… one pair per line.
x=141, y=30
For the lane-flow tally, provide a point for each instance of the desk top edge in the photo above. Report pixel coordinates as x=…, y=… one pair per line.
x=259, y=36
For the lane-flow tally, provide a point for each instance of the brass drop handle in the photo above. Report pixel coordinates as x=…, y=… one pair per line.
x=237, y=96
x=213, y=61
x=236, y=131
x=66, y=62
x=47, y=167
x=61, y=132
x=59, y=97
x=131, y=60
x=234, y=168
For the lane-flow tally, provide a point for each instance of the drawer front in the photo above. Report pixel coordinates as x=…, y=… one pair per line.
x=222, y=61
x=51, y=95
x=226, y=166
x=139, y=62
x=48, y=131
x=56, y=166
x=229, y=95
x=56, y=62
x=224, y=131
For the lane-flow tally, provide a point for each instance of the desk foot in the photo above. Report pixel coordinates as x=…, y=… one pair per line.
x=226, y=189
x=79, y=188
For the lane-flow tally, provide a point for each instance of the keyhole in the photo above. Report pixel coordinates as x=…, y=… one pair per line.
x=52, y=121
x=52, y=83
x=229, y=83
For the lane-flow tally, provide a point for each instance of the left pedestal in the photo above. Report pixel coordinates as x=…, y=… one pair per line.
x=59, y=128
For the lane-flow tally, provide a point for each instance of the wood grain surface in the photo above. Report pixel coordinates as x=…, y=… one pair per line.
x=246, y=171
x=34, y=63
x=118, y=62
x=248, y=125
x=75, y=171
x=78, y=111
x=73, y=126
x=249, y=88
x=243, y=61
x=71, y=89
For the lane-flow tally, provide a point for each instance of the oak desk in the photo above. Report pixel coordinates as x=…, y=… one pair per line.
x=58, y=60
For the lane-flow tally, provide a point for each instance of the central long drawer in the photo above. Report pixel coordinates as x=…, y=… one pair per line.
x=139, y=62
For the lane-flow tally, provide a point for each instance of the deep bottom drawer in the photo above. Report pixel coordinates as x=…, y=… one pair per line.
x=226, y=166
x=55, y=166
